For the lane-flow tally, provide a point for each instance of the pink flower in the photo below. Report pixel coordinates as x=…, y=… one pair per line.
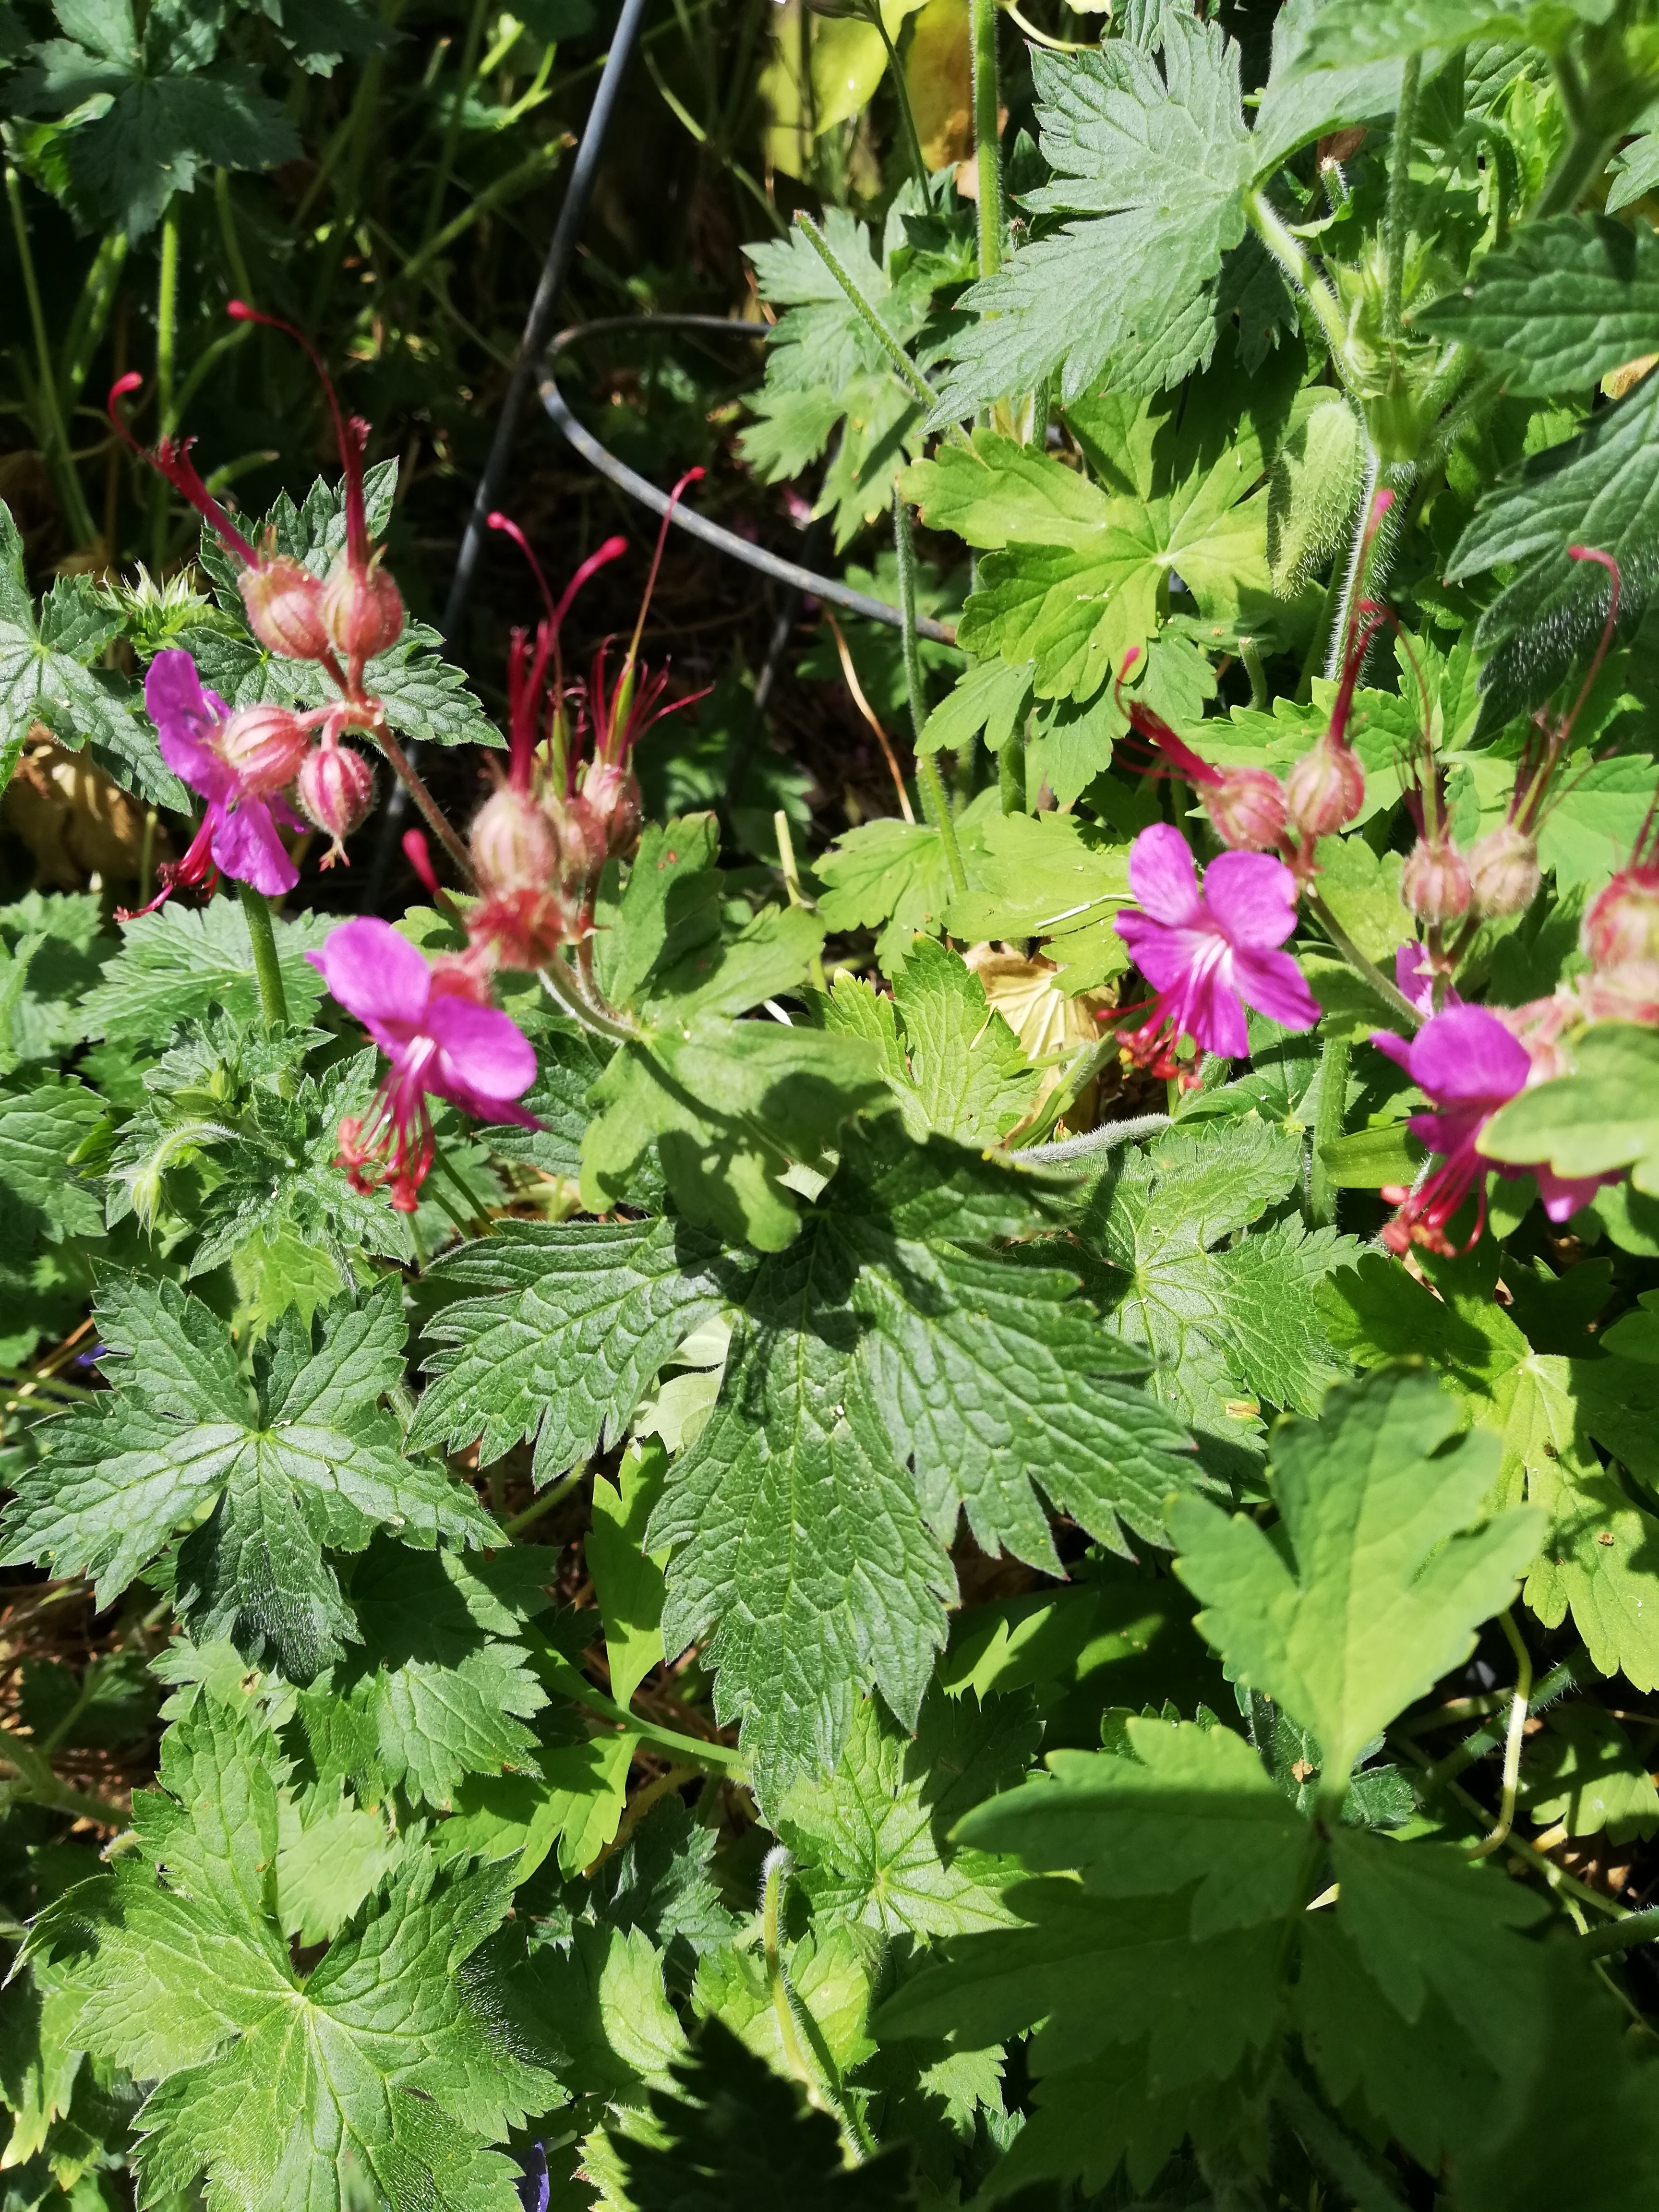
x=238, y=834
x=441, y=1040
x=1467, y=1063
x=1204, y=951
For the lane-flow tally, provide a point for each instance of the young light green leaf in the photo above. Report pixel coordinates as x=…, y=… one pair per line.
x=1603, y=1117
x=1383, y=1590
x=628, y=1580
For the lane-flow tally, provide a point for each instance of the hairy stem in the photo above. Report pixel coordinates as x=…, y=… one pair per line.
x=561, y=986
x=872, y=321
x=1396, y=1000
x=987, y=135
x=1584, y=156
x=555, y=1494
x=433, y=814
x=1293, y=258
x=1399, y=187
x=1514, y=1738
x=166, y=334
x=907, y=113
x=1329, y=2145
x=59, y=456
x=1328, y=1128
x=267, y=969
x=935, y=801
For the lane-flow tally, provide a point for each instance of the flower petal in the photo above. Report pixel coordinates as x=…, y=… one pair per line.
x=1253, y=898
x=1272, y=983
x=1397, y=1048
x=1212, y=1015
x=183, y=720
x=485, y=1061
x=1565, y=1195
x=1165, y=955
x=246, y=847
x=1162, y=875
x=1467, y=1053
x=376, y=974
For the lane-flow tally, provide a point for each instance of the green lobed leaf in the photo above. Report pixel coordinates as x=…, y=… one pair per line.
x=1381, y=1591
x=1567, y=301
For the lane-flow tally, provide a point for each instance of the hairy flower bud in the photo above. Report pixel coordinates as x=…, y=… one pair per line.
x=583, y=844
x=1623, y=922
x=515, y=845
x=1248, y=809
x=1626, y=992
x=1435, y=881
x=1503, y=872
x=613, y=792
x=265, y=746
x=363, y=609
x=284, y=603
x=1325, y=789
x=336, y=788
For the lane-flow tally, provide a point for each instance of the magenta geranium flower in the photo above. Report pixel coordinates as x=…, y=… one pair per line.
x=1467, y=1063
x=1210, y=953
x=442, y=1042
x=238, y=836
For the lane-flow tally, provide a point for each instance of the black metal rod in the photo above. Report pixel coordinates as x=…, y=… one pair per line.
x=687, y=519
x=561, y=248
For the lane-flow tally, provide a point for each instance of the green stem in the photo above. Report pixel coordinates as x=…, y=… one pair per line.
x=470, y=46
x=59, y=456
x=228, y=235
x=907, y=115
x=90, y=319
x=267, y=969
x=1328, y=1128
x=435, y=820
x=555, y=1494
x=1394, y=1000
x=560, y=985
x=1329, y=2146
x=1584, y=155
x=1250, y=653
x=879, y=330
x=1640, y=1928
x=685, y=1746
x=38, y=1785
x=518, y=179
x=935, y=801
x=1398, y=222
x=167, y=332
x=1514, y=1738
x=1570, y=1673
x=774, y=1880
x=1288, y=251
x=1367, y=564
x=987, y=137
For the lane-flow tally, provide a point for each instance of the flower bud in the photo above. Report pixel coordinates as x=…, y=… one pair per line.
x=284, y=603
x=1435, y=881
x=1626, y=992
x=1325, y=789
x=363, y=609
x=583, y=843
x=1623, y=922
x=1503, y=872
x=335, y=789
x=264, y=746
x=1248, y=809
x=613, y=792
x=515, y=846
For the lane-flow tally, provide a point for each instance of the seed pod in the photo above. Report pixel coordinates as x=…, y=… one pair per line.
x=613, y=793
x=1623, y=922
x=363, y=610
x=1248, y=809
x=515, y=846
x=583, y=844
x=1325, y=789
x=336, y=788
x=1435, y=881
x=265, y=746
x=1503, y=872
x=284, y=603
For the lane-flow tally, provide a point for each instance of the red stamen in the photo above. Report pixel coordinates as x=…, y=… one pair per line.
x=691, y=476
x=418, y=854
x=171, y=460
x=352, y=436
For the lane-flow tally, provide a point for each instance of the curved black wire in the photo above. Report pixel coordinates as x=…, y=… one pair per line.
x=687, y=519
